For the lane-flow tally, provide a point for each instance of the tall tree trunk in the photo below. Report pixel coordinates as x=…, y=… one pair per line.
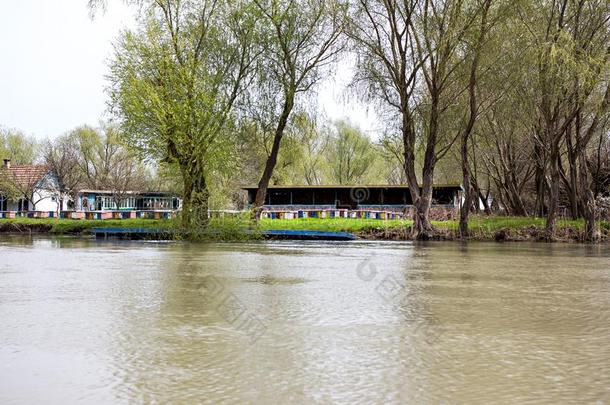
x=263, y=184
x=572, y=185
x=472, y=98
x=186, y=203
x=540, y=181
x=422, y=226
x=588, y=200
x=421, y=197
x=553, y=204
x=598, y=168
x=466, y=183
x=466, y=204
x=475, y=184
x=588, y=197
x=200, y=202
x=517, y=203
x=575, y=206
x=484, y=199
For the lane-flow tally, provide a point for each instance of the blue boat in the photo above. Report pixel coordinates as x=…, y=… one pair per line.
x=132, y=233
x=162, y=234
x=307, y=235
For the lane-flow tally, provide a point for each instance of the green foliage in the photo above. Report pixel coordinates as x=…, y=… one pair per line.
x=229, y=228
x=174, y=82
x=313, y=139
x=95, y=158
x=15, y=145
x=8, y=189
x=351, y=155
x=314, y=153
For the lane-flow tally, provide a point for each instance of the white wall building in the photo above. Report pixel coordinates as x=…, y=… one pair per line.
x=34, y=188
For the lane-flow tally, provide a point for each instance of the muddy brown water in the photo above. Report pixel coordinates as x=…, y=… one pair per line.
x=84, y=321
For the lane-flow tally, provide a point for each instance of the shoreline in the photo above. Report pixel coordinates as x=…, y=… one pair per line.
x=486, y=230
x=530, y=234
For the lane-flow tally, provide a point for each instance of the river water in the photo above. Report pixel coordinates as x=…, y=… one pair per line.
x=285, y=322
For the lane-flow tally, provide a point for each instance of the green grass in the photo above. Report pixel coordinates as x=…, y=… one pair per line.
x=236, y=227
x=331, y=224
x=70, y=226
x=495, y=223
x=219, y=229
x=476, y=223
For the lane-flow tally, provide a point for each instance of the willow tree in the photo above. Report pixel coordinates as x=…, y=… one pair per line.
x=351, y=155
x=300, y=38
x=409, y=60
x=313, y=138
x=590, y=32
x=473, y=51
x=569, y=41
x=62, y=155
x=174, y=82
x=17, y=146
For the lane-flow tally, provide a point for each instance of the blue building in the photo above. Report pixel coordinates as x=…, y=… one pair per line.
x=105, y=200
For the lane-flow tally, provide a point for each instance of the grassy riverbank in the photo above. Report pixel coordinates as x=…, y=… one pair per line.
x=220, y=229
x=74, y=227
x=482, y=228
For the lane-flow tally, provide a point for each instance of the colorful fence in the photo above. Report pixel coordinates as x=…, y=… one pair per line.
x=27, y=214
x=90, y=215
x=270, y=214
x=332, y=213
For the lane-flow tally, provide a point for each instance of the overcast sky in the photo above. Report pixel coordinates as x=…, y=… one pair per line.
x=54, y=58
